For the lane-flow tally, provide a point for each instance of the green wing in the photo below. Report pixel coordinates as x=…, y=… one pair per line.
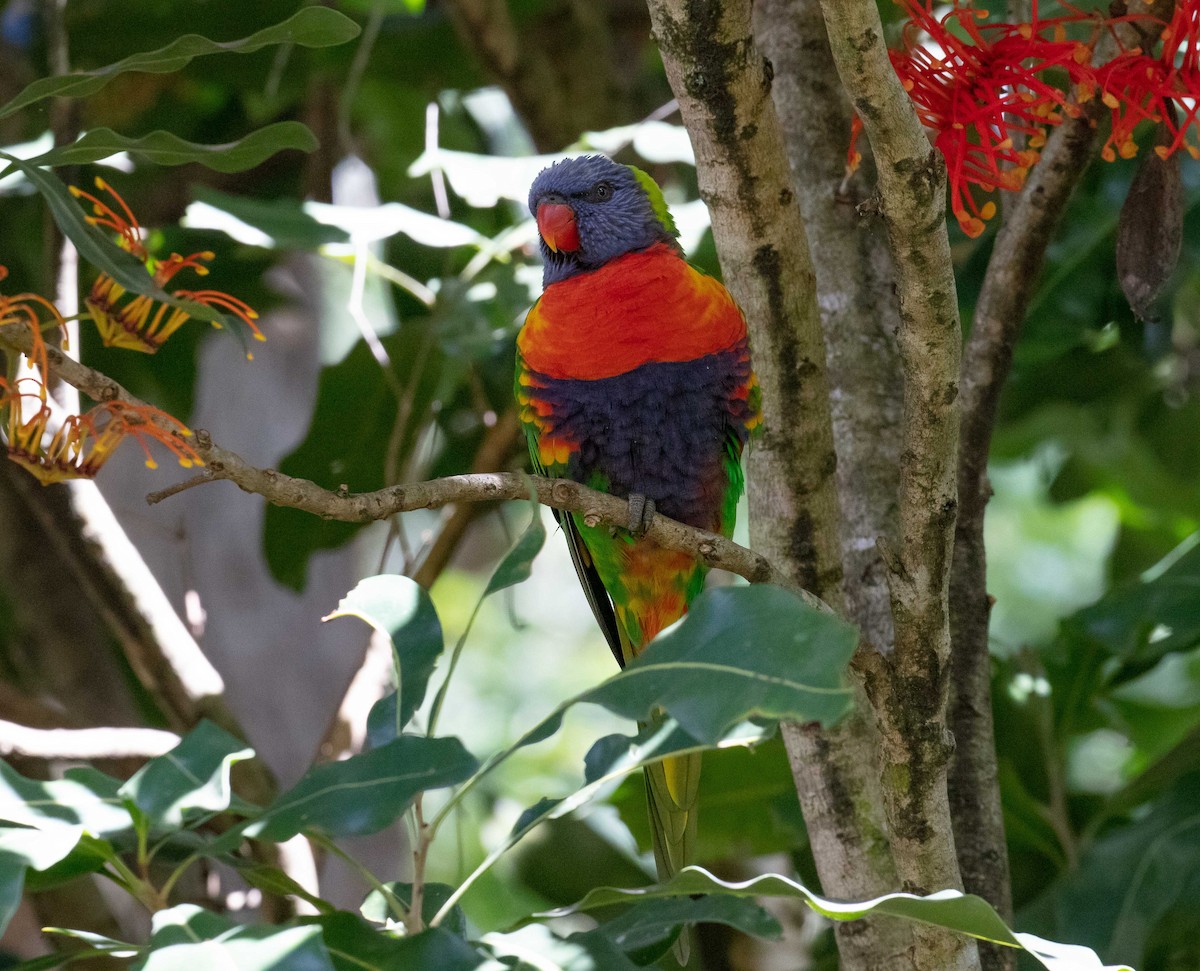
x=589, y=579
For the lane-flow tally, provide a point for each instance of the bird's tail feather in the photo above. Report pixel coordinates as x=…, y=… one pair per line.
x=671, y=787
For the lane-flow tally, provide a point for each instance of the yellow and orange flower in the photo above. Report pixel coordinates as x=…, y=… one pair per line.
x=27, y=309
x=141, y=323
x=82, y=443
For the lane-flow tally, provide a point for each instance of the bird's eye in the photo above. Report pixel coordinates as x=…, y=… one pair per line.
x=601, y=192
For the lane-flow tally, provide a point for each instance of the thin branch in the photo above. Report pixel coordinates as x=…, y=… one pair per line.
x=1010, y=282
x=83, y=744
x=595, y=507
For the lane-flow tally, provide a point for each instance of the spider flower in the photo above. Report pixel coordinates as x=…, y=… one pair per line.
x=1138, y=87
x=979, y=88
x=135, y=321
x=30, y=309
x=83, y=443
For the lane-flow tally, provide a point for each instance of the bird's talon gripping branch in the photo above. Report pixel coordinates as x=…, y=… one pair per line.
x=641, y=514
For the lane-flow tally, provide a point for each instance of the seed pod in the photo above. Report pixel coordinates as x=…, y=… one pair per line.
x=1151, y=227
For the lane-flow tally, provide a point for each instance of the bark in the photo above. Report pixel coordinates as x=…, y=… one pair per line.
x=859, y=319
x=1014, y=269
x=908, y=689
x=722, y=84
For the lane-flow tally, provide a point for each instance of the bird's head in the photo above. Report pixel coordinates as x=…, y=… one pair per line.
x=590, y=210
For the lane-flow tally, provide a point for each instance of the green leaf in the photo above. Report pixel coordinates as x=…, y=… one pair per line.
x=29, y=847
x=652, y=925
x=518, y=562
x=366, y=792
x=254, y=948
x=97, y=943
x=1154, y=615
x=399, y=608
x=310, y=27
x=185, y=924
x=165, y=148
x=1130, y=881
x=83, y=798
x=740, y=652
x=195, y=775
x=579, y=952
x=964, y=913
x=379, y=905
x=271, y=879
x=356, y=945
x=97, y=247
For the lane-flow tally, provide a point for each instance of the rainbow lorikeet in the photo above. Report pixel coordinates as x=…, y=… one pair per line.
x=634, y=377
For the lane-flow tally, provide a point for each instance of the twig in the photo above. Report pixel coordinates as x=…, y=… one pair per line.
x=83, y=744
x=1012, y=277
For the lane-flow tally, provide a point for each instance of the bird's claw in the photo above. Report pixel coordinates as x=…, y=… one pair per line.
x=641, y=513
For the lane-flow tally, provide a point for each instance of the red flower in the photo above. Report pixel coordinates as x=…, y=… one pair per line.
x=978, y=87
x=1137, y=87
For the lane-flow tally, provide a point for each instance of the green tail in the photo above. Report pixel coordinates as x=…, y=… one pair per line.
x=671, y=787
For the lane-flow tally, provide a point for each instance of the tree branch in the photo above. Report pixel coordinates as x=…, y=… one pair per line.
x=1013, y=274
x=597, y=508
x=909, y=689
x=838, y=770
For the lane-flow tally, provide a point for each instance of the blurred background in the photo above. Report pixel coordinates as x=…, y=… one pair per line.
x=392, y=268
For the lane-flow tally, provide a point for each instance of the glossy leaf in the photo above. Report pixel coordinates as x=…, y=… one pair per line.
x=83, y=798
x=741, y=652
x=364, y=793
x=400, y=609
x=1131, y=881
x=538, y=947
x=310, y=27
x=23, y=847
x=379, y=905
x=186, y=923
x=252, y=948
x=518, y=561
x=653, y=925
x=355, y=945
x=271, y=879
x=1142, y=620
x=165, y=148
x=964, y=913
x=195, y=775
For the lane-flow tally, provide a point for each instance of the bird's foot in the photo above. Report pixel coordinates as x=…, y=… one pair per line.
x=641, y=513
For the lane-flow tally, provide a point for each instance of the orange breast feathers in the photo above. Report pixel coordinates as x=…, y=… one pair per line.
x=642, y=308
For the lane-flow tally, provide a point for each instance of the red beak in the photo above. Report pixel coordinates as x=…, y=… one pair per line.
x=556, y=223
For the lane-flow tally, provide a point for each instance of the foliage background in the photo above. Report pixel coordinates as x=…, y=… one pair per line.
x=1096, y=460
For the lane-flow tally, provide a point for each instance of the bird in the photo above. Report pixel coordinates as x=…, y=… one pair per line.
x=634, y=377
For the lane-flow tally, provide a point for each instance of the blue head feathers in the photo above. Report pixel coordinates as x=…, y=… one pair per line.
x=591, y=210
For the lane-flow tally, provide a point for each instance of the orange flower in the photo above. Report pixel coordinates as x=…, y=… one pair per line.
x=142, y=323
x=83, y=443
x=27, y=308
